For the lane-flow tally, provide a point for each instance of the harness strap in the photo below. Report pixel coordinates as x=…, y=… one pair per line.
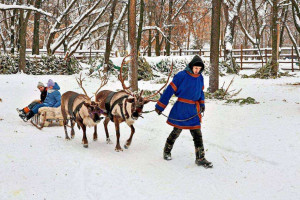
x=70, y=105
x=107, y=105
x=119, y=102
x=77, y=109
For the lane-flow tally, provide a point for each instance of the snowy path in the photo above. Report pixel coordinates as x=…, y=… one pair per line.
x=254, y=149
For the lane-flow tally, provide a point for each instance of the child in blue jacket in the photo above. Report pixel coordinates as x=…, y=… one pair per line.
x=53, y=99
x=188, y=86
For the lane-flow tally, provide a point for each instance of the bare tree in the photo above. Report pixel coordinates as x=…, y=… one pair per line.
x=110, y=27
x=133, y=71
x=36, y=30
x=214, y=46
x=275, y=38
x=231, y=11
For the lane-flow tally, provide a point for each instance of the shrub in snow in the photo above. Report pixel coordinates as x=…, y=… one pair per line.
x=226, y=67
x=144, y=70
x=9, y=64
x=265, y=73
x=242, y=101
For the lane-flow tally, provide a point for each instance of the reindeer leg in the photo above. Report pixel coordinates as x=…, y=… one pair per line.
x=117, y=126
x=95, y=133
x=84, y=139
x=72, y=129
x=106, y=121
x=65, y=127
x=126, y=146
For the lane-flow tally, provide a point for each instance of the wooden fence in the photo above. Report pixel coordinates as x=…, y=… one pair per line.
x=242, y=56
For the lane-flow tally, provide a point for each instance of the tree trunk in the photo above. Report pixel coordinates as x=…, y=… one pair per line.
x=168, y=41
x=36, y=30
x=108, y=43
x=157, y=46
x=275, y=42
x=231, y=19
x=283, y=19
x=139, y=38
x=151, y=10
x=133, y=72
x=13, y=31
x=22, y=41
x=214, y=46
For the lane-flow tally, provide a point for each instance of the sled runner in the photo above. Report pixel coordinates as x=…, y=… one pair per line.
x=47, y=116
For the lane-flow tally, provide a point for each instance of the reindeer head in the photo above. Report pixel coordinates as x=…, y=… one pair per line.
x=94, y=111
x=137, y=100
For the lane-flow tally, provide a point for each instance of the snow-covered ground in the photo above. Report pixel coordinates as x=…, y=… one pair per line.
x=254, y=149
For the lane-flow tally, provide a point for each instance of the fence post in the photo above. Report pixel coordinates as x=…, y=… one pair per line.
x=292, y=59
x=90, y=53
x=200, y=52
x=180, y=52
x=266, y=56
x=241, y=57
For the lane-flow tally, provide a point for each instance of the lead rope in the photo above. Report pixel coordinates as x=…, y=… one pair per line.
x=178, y=120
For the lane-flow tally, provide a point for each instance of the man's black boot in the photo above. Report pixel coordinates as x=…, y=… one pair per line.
x=170, y=142
x=200, y=159
x=167, y=151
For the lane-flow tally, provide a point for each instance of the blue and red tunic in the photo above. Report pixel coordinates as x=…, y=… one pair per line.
x=188, y=87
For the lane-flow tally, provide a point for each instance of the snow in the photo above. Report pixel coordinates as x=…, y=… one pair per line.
x=254, y=148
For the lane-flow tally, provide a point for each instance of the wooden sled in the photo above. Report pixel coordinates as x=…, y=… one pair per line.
x=47, y=116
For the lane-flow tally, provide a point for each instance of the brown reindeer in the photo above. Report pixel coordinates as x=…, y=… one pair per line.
x=80, y=109
x=123, y=106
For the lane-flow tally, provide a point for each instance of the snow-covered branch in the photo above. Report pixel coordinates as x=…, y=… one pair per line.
x=25, y=7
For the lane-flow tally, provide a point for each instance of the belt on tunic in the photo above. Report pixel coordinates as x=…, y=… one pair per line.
x=192, y=102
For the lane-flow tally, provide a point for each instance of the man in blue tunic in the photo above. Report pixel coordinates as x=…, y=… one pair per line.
x=188, y=86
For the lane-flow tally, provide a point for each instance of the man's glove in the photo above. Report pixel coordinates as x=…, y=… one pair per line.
x=158, y=111
x=202, y=109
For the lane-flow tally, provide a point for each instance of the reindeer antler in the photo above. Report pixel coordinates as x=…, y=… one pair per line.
x=103, y=80
x=80, y=81
x=125, y=88
x=153, y=95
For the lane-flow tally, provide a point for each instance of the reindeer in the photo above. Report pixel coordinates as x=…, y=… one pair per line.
x=123, y=106
x=79, y=108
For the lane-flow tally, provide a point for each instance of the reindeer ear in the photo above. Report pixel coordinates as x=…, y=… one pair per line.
x=87, y=104
x=130, y=100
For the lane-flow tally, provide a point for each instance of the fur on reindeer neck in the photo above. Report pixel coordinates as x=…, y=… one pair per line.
x=87, y=120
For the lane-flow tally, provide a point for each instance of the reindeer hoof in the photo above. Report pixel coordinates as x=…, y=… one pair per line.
x=72, y=136
x=126, y=146
x=118, y=150
x=85, y=145
x=108, y=141
x=67, y=138
x=95, y=139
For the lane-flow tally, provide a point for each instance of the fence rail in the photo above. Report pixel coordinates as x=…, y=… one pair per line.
x=242, y=56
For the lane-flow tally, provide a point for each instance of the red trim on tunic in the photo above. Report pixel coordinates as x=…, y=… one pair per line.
x=193, y=75
x=185, y=127
x=203, y=87
x=202, y=102
x=161, y=104
x=198, y=111
x=193, y=102
x=186, y=100
x=173, y=86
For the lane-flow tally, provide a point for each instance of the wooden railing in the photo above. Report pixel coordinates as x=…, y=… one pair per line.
x=242, y=56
